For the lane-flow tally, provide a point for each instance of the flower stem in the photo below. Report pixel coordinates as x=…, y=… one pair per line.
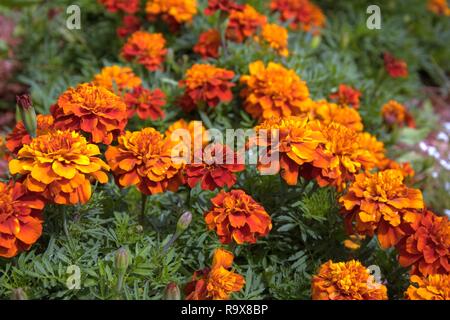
x=143, y=203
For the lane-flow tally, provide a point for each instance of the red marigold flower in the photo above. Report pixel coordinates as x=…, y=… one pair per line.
x=380, y=203
x=346, y=95
x=427, y=248
x=298, y=143
x=432, y=287
x=273, y=91
x=59, y=165
x=173, y=12
x=117, y=78
x=396, y=68
x=127, y=6
x=20, y=218
x=146, y=103
x=130, y=24
x=208, y=44
x=328, y=112
x=144, y=159
x=395, y=113
x=301, y=14
x=215, y=170
x=222, y=5
x=20, y=136
x=91, y=109
x=346, y=281
x=146, y=48
x=217, y=282
x=235, y=216
x=204, y=83
x=243, y=24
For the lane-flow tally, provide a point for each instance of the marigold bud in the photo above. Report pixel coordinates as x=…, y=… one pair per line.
x=122, y=260
x=27, y=113
x=184, y=221
x=18, y=294
x=172, y=292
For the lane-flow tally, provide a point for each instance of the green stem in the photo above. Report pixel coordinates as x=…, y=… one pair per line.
x=143, y=203
x=120, y=285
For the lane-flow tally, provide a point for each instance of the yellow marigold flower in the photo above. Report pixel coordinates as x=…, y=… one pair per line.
x=172, y=11
x=432, y=287
x=144, y=159
x=439, y=7
x=381, y=204
x=217, y=282
x=60, y=165
x=148, y=49
x=117, y=78
x=328, y=112
x=273, y=91
x=243, y=24
x=276, y=37
x=346, y=281
x=91, y=109
x=338, y=159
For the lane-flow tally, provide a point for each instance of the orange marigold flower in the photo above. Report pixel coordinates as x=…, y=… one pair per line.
x=302, y=14
x=91, y=109
x=130, y=24
x=4, y=157
x=173, y=12
x=395, y=113
x=146, y=103
x=273, y=91
x=405, y=167
x=222, y=5
x=208, y=44
x=20, y=218
x=117, y=78
x=346, y=95
x=148, y=49
x=217, y=282
x=353, y=242
x=439, y=7
x=144, y=159
x=236, y=216
x=243, y=24
x=60, y=165
x=346, y=281
x=205, y=83
x=432, y=287
x=217, y=169
x=396, y=68
x=298, y=143
x=20, y=136
x=127, y=6
x=427, y=248
x=338, y=159
x=276, y=37
x=381, y=204
x=328, y=112
x=375, y=148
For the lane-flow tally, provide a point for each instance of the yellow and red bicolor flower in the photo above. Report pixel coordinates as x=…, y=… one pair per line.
x=381, y=204
x=243, y=24
x=208, y=44
x=217, y=282
x=173, y=12
x=117, y=78
x=20, y=218
x=432, y=287
x=346, y=281
x=92, y=109
x=223, y=6
x=144, y=159
x=347, y=96
x=60, y=165
x=236, y=216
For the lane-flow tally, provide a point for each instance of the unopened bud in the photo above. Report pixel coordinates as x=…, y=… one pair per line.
x=18, y=294
x=316, y=40
x=27, y=113
x=172, y=292
x=122, y=260
x=184, y=222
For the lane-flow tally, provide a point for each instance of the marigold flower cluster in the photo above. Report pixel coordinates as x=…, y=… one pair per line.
x=217, y=282
x=148, y=49
x=206, y=84
x=346, y=281
x=301, y=14
x=243, y=24
x=236, y=216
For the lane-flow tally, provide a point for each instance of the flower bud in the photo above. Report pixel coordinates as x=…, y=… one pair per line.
x=27, y=113
x=316, y=40
x=172, y=292
x=122, y=260
x=18, y=294
x=184, y=221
